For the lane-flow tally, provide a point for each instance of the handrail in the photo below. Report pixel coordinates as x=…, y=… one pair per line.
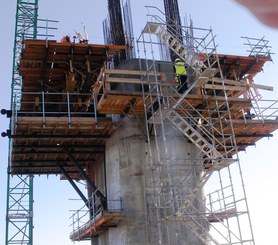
x=48, y=104
x=183, y=28
x=84, y=217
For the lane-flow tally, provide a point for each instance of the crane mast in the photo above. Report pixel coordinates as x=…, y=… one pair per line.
x=19, y=216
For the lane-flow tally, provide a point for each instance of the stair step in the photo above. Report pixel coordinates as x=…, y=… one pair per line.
x=183, y=52
x=198, y=140
x=161, y=34
x=192, y=135
x=173, y=42
x=167, y=37
x=187, y=58
x=185, y=130
x=183, y=127
x=178, y=47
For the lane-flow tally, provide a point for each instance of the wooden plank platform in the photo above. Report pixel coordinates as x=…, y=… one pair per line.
x=240, y=66
x=99, y=224
x=62, y=79
x=221, y=216
x=38, y=145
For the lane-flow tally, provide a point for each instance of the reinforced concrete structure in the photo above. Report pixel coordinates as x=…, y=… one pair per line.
x=161, y=167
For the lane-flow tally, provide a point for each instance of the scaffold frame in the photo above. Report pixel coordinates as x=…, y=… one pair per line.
x=226, y=220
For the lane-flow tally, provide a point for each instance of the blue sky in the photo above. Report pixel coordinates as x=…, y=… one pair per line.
x=228, y=21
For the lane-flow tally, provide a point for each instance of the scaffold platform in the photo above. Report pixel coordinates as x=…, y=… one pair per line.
x=75, y=112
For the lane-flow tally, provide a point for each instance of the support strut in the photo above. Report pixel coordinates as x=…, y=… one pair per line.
x=75, y=187
x=97, y=192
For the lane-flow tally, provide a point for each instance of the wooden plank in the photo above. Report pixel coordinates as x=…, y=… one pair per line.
x=133, y=72
x=258, y=86
x=125, y=80
x=62, y=120
x=254, y=121
x=220, y=87
x=98, y=225
x=134, y=81
x=229, y=81
x=220, y=216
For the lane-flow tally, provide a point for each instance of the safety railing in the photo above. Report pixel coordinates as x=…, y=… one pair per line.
x=266, y=109
x=44, y=104
x=87, y=216
x=200, y=45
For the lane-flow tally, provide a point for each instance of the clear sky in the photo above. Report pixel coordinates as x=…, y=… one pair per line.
x=228, y=21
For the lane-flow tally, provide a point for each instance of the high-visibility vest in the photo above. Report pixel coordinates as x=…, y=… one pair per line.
x=180, y=68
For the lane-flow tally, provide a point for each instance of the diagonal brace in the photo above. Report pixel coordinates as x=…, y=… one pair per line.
x=85, y=200
x=96, y=191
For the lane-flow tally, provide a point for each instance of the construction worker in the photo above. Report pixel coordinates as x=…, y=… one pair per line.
x=65, y=39
x=181, y=75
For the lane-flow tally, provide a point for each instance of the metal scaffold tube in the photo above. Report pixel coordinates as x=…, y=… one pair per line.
x=155, y=144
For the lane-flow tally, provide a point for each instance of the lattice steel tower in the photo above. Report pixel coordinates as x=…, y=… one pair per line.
x=19, y=217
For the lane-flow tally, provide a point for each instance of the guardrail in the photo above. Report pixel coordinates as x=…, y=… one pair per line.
x=86, y=217
x=45, y=104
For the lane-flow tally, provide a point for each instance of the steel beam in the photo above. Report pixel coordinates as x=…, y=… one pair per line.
x=55, y=146
x=97, y=192
x=57, y=136
x=55, y=152
x=85, y=200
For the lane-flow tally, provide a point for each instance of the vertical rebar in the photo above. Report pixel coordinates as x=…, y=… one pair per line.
x=68, y=106
x=43, y=109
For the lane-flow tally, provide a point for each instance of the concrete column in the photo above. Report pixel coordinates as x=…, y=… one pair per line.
x=131, y=177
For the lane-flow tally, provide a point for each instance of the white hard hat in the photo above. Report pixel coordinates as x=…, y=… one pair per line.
x=177, y=60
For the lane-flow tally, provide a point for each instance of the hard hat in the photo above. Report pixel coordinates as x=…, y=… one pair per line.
x=177, y=60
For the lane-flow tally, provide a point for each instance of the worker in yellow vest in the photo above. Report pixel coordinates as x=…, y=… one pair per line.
x=181, y=75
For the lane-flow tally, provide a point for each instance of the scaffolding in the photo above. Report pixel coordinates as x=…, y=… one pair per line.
x=208, y=195
x=100, y=219
x=61, y=128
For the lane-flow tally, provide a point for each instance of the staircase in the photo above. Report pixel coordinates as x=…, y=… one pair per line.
x=174, y=44
x=200, y=224
x=187, y=122
x=201, y=233
x=200, y=137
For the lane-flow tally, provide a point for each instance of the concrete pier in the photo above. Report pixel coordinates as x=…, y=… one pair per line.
x=131, y=177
